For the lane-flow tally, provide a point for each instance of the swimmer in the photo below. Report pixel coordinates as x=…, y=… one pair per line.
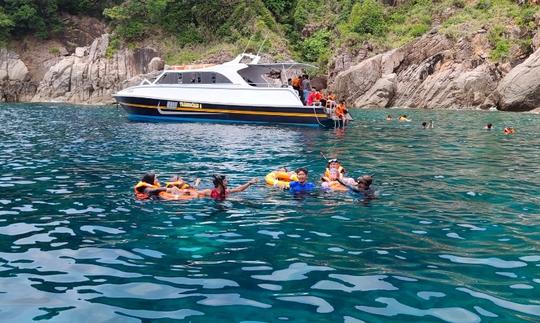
x=220, y=191
x=302, y=185
x=178, y=182
x=388, y=118
x=509, y=131
x=149, y=187
x=489, y=126
x=361, y=186
x=333, y=164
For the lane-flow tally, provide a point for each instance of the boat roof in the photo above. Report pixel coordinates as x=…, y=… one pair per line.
x=237, y=64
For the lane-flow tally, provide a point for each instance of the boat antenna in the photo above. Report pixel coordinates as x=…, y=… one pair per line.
x=264, y=41
x=249, y=41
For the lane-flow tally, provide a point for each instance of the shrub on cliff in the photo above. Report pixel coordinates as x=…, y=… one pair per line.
x=367, y=18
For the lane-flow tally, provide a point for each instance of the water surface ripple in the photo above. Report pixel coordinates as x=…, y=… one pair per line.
x=452, y=237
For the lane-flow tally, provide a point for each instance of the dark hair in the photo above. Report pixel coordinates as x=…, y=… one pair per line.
x=302, y=169
x=149, y=178
x=218, y=180
x=424, y=124
x=366, y=179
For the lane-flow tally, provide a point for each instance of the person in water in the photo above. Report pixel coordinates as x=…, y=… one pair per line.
x=509, y=131
x=388, y=118
x=220, y=191
x=149, y=187
x=489, y=126
x=361, y=186
x=302, y=185
x=333, y=171
x=177, y=181
x=404, y=118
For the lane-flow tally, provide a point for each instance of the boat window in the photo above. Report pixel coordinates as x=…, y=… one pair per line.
x=205, y=78
x=193, y=78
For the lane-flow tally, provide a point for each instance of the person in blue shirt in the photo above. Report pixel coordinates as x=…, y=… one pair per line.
x=302, y=185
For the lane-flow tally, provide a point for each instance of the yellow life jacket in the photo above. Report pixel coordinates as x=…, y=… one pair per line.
x=180, y=184
x=140, y=194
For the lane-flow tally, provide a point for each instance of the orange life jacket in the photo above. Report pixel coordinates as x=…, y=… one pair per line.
x=341, y=110
x=326, y=176
x=296, y=82
x=140, y=194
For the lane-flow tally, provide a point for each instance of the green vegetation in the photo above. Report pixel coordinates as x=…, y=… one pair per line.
x=42, y=18
x=311, y=30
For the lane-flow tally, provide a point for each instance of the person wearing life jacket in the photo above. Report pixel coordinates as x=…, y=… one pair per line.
x=341, y=111
x=330, y=101
x=296, y=84
x=149, y=187
x=177, y=181
x=314, y=97
x=220, y=191
x=404, y=118
x=301, y=185
x=509, y=131
x=333, y=171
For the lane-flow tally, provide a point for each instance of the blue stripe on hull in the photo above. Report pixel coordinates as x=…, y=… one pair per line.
x=147, y=118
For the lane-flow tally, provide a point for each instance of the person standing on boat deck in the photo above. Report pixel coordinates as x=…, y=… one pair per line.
x=297, y=85
x=220, y=191
x=314, y=97
x=306, y=85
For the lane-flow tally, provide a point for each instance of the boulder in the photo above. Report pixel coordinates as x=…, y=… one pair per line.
x=156, y=64
x=15, y=84
x=11, y=67
x=519, y=90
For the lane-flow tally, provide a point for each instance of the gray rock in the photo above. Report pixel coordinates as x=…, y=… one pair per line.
x=11, y=67
x=80, y=51
x=431, y=72
x=89, y=77
x=156, y=64
x=519, y=90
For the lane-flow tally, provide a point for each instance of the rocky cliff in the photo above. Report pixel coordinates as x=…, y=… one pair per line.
x=437, y=72
x=87, y=76
x=433, y=71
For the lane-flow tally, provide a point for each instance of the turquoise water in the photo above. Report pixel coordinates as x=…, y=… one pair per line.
x=454, y=235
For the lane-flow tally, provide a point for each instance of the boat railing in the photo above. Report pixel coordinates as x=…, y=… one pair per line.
x=277, y=85
x=145, y=81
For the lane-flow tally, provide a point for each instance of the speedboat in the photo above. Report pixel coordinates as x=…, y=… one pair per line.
x=238, y=91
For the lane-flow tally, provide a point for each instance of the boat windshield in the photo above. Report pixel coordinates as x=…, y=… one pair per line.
x=271, y=75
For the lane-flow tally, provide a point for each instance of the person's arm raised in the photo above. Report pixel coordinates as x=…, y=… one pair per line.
x=352, y=188
x=243, y=187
